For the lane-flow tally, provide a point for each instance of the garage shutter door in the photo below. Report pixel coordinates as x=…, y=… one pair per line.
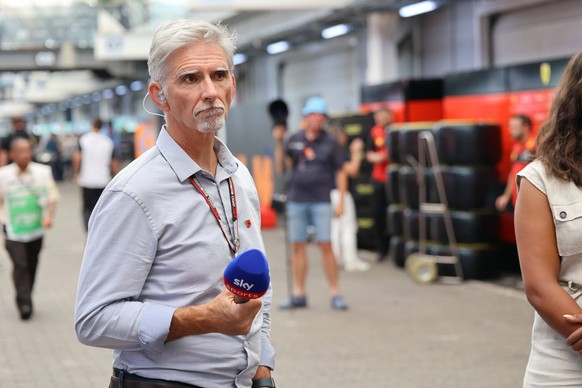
x=545, y=31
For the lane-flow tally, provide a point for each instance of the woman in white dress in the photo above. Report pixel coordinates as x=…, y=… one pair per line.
x=548, y=227
x=344, y=229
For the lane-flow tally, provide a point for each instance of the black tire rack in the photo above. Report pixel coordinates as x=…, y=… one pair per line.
x=468, y=153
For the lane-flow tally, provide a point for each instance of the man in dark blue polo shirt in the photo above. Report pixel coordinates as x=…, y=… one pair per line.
x=315, y=160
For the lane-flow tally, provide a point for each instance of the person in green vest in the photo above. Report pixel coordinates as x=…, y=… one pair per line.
x=28, y=198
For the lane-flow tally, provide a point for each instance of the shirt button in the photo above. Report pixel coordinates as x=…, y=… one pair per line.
x=563, y=215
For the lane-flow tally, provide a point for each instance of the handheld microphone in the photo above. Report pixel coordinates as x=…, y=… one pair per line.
x=247, y=276
x=279, y=112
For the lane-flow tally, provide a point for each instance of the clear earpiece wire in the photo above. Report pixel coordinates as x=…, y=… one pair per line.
x=146, y=109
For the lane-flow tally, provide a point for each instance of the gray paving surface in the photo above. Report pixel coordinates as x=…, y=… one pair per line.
x=395, y=334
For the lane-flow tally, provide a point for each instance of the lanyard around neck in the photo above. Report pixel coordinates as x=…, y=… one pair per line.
x=234, y=229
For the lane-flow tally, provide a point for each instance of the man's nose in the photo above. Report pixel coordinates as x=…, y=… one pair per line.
x=209, y=92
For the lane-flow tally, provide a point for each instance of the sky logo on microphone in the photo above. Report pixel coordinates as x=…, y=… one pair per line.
x=243, y=284
x=247, y=275
x=242, y=288
x=242, y=292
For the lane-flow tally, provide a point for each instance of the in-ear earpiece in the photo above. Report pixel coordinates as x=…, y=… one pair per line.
x=161, y=98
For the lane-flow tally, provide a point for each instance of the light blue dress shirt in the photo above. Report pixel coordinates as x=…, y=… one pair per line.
x=154, y=246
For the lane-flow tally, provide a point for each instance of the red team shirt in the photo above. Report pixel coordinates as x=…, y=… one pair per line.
x=378, y=134
x=521, y=155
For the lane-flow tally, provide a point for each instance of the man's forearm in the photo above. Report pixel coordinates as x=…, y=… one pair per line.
x=263, y=372
x=76, y=163
x=51, y=209
x=220, y=315
x=188, y=321
x=279, y=159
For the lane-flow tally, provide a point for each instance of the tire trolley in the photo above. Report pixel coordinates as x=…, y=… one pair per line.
x=422, y=266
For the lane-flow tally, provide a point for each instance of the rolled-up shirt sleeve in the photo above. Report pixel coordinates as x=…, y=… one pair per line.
x=120, y=251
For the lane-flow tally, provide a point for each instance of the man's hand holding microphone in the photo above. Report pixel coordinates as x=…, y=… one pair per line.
x=233, y=311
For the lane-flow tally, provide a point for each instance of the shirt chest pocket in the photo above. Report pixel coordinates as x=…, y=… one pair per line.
x=568, y=220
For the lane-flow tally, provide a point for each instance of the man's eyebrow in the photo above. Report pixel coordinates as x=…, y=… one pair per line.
x=187, y=72
x=194, y=72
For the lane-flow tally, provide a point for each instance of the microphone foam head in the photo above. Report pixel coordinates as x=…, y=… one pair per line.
x=247, y=275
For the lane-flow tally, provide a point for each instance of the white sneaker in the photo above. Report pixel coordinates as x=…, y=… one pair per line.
x=357, y=265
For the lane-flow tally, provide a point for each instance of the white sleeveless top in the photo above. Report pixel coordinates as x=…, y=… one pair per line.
x=552, y=363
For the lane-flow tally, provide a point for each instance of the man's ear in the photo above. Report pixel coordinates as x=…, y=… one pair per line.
x=157, y=95
x=233, y=88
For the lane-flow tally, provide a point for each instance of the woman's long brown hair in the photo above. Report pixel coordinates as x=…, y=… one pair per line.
x=560, y=137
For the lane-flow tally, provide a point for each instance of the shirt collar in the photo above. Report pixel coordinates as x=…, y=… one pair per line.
x=183, y=165
x=320, y=135
x=18, y=171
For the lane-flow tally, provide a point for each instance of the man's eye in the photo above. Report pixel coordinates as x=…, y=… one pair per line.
x=220, y=75
x=189, y=78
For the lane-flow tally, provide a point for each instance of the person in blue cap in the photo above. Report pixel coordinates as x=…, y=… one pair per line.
x=315, y=160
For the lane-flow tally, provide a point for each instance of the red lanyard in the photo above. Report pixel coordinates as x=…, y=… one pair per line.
x=234, y=230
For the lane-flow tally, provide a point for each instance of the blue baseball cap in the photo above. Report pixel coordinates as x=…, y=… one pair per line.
x=315, y=105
